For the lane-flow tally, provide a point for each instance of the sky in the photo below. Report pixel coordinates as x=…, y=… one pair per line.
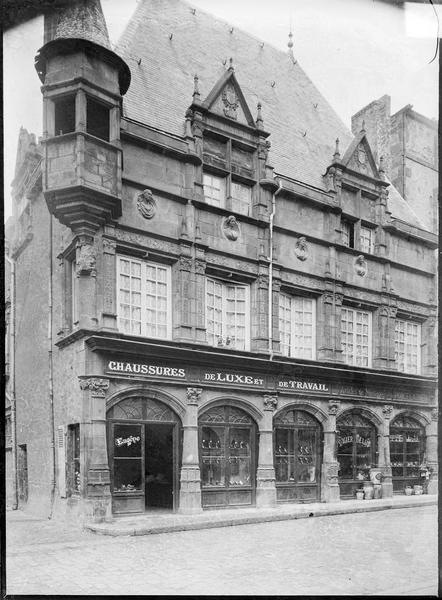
x=353, y=51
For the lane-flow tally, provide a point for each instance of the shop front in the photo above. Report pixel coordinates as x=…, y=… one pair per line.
x=407, y=448
x=144, y=455
x=356, y=452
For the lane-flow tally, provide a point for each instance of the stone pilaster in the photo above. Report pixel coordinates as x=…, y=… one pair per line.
x=200, y=296
x=431, y=451
x=325, y=329
x=96, y=478
x=265, y=474
x=330, y=465
x=383, y=437
x=260, y=311
x=382, y=338
x=429, y=349
x=190, y=476
x=183, y=296
x=87, y=281
x=109, y=284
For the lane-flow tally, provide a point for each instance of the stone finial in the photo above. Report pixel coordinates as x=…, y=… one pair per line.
x=193, y=395
x=270, y=402
x=337, y=154
x=290, y=42
x=196, y=92
x=96, y=385
x=259, y=122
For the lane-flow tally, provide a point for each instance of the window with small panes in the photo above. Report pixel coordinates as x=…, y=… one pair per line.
x=356, y=328
x=227, y=314
x=297, y=331
x=407, y=346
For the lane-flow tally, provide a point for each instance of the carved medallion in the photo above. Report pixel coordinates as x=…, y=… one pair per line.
x=230, y=228
x=301, y=249
x=361, y=265
x=146, y=204
x=230, y=101
x=362, y=155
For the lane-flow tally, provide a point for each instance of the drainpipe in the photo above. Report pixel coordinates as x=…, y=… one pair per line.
x=12, y=388
x=270, y=306
x=51, y=370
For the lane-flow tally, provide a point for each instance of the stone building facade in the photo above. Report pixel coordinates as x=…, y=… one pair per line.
x=408, y=141
x=236, y=314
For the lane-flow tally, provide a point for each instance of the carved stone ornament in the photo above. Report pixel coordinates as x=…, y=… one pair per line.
x=230, y=228
x=185, y=263
x=230, y=101
x=435, y=414
x=333, y=407
x=146, y=204
x=332, y=473
x=270, y=402
x=193, y=395
x=387, y=411
x=96, y=386
x=85, y=259
x=200, y=266
x=301, y=249
x=362, y=155
x=361, y=265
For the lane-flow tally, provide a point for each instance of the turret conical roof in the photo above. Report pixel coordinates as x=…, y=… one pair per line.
x=80, y=19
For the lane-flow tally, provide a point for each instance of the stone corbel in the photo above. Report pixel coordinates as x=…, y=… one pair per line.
x=96, y=385
x=270, y=402
x=194, y=395
x=86, y=256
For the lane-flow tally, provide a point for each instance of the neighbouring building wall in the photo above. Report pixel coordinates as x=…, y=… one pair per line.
x=408, y=143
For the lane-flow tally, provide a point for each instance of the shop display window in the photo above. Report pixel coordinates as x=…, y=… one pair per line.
x=296, y=448
x=356, y=447
x=407, y=444
x=128, y=457
x=226, y=448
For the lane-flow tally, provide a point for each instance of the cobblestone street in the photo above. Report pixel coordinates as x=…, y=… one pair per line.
x=392, y=552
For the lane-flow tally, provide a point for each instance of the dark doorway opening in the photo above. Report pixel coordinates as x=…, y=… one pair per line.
x=159, y=462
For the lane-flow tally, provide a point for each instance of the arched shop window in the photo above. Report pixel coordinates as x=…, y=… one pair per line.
x=356, y=451
x=227, y=441
x=407, y=447
x=297, y=456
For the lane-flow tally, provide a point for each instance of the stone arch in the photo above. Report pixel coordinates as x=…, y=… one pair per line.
x=147, y=392
x=312, y=409
x=245, y=405
x=366, y=412
x=422, y=419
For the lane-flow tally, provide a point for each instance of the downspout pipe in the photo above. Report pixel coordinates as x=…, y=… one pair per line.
x=12, y=387
x=270, y=297
x=51, y=370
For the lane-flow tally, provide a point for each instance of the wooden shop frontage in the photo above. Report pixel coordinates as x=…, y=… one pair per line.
x=187, y=430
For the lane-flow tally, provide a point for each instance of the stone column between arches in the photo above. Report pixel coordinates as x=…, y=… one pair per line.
x=190, y=476
x=384, y=452
x=431, y=452
x=329, y=477
x=265, y=473
x=96, y=475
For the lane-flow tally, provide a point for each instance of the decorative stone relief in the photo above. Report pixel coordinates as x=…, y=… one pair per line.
x=230, y=228
x=97, y=386
x=387, y=411
x=270, y=402
x=301, y=249
x=200, y=266
x=435, y=414
x=86, y=258
x=230, y=101
x=332, y=473
x=146, y=241
x=361, y=265
x=146, y=204
x=338, y=299
x=109, y=246
x=193, y=395
x=333, y=407
x=185, y=263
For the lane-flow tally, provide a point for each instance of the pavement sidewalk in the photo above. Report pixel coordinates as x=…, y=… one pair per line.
x=152, y=523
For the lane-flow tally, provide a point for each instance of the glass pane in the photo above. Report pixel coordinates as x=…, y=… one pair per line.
x=127, y=474
x=127, y=440
x=213, y=456
x=281, y=454
x=306, y=455
x=239, y=459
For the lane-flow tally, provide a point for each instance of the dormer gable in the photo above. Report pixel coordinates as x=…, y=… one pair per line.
x=227, y=100
x=359, y=157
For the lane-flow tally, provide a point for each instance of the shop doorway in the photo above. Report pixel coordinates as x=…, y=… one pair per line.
x=159, y=463
x=356, y=452
x=144, y=446
x=298, y=456
x=407, y=447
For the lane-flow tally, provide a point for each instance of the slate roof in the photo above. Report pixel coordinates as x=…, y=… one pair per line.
x=303, y=127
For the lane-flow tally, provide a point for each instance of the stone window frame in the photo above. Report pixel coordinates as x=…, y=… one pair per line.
x=143, y=306
x=352, y=228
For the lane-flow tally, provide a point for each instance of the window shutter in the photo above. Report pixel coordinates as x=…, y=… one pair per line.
x=61, y=460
